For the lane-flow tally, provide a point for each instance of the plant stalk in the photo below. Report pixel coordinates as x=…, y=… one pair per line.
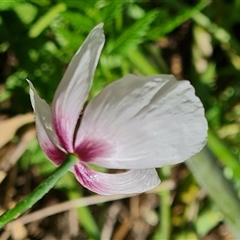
x=38, y=193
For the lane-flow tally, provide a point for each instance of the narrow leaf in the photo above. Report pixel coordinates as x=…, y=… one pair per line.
x=211, y=178
x=45, y=20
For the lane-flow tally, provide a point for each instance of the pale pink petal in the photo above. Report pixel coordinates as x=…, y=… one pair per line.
x=74, y=87
x=45, y=134
x=147, y=122
x=133, y=181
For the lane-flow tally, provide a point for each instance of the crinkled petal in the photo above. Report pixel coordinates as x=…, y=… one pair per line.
x=147, y=122
x=133, y=181
x=45, y=134
x=74, y=87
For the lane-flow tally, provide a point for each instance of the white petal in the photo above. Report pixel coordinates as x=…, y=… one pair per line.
x=46, y=136
x=147, y=122
x=74, y=87
x=133, y=181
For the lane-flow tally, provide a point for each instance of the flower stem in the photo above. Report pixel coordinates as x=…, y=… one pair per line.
x=38, y=193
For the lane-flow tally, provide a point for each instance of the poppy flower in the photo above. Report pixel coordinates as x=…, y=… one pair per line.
x=135, y=124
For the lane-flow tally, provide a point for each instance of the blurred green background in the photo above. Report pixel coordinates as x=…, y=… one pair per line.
x=194, y=40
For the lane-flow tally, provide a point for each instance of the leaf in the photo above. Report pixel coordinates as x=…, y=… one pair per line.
x=78, y=21
x=133, y=36
x=221, y=151
x=111, y=10
x=211, y=178
x=5, y=5
x=83, y=5
x=45, y=20
x=21, y=10
x=207, y=220
x=138, y=59
x=69, y=39
x=168, y=23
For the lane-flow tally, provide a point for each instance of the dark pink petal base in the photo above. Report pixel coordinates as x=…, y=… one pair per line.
x=63, y=132
x=53, y=153
x=90, y=149
x=132, y=181
x=89, y=178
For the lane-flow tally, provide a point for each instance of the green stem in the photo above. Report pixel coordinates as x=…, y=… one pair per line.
x=38, y=193
x=164, y=229
x=165, y=214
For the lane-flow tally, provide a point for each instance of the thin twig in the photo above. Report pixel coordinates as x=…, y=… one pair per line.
x=86, y=201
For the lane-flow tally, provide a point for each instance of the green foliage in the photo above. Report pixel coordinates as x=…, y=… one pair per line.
x=45, y=20
x=132, y=36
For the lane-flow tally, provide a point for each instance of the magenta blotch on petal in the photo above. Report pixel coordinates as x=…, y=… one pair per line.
x=62, y=131
x=46, y=136
x=132, y=181
x=89, y=178
x=53, y=153
x=89, y=150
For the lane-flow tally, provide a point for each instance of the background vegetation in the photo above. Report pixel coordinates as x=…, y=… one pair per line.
x=195, y=40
